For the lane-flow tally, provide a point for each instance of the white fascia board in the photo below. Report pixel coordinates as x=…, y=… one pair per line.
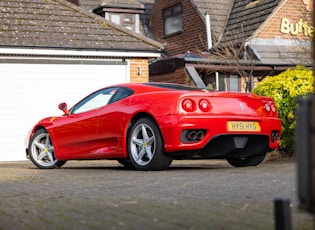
x=87, y=53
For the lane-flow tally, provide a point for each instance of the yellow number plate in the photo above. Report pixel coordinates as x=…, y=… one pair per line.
x=243, y=126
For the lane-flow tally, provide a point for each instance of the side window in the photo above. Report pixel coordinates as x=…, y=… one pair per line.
x=172, y=18
x=121, y=94
x=95, y=100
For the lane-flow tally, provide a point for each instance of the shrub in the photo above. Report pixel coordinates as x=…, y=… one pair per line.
x=285, y=88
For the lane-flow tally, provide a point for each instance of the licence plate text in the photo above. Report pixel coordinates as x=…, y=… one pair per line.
x=243, y=126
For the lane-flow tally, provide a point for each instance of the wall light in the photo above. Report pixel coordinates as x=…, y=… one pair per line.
x=139, y=71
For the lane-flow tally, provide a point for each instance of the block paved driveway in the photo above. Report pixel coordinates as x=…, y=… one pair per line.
x=105, y=195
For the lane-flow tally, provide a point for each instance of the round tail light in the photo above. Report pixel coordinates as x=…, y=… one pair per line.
x=204, y=105
x=273, y=108
x=189, y=105
x=267, y=107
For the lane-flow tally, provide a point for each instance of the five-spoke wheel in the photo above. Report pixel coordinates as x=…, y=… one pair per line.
x=41, y=151
x=145, y=146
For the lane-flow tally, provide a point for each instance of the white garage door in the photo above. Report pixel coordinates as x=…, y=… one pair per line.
x=31, y=91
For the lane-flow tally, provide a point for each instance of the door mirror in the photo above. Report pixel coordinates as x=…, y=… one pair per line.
x=63, y=107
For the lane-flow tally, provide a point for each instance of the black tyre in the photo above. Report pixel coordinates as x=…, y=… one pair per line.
x=126, y=162
x=145, y=146
x=41, y=151
x=238, y=161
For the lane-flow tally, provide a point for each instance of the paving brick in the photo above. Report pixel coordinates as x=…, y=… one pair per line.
x=104, y=195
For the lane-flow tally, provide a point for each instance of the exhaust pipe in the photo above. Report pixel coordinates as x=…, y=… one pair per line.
x=195, y=135
x=200, y=135
x=275, y=135
x=191, y=135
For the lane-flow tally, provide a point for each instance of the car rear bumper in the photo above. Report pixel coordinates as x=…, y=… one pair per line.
x=174, y=127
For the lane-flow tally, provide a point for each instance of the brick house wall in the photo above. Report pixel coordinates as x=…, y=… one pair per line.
x=288, y=15
x=290, y=12
x=137, y=65
x=193, y=34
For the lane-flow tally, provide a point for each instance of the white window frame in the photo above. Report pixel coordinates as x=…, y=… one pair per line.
x=131, y=25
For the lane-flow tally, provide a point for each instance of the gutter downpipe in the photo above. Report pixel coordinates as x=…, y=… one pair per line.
x=209, y=41
x=208, y=29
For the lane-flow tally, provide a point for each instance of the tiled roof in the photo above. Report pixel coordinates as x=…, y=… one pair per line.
x=146, y=1
x=60, y=24
x=148, y=6
x=246, y=17
x=89, y=4
x=92, y=4
x=218, y=10
x=281, y=51
x=122, y=3
x=145, y=17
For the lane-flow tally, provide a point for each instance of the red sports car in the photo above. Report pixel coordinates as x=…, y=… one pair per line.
x=147, y=125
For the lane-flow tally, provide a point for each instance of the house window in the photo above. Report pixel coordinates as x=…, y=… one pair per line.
x=128, y=21
x=172, y=18
x=115, y=18
x=229, y=83
x=125, y=20
x=234, y=83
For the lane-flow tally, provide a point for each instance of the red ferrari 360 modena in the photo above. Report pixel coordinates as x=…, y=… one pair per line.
x=147, y=125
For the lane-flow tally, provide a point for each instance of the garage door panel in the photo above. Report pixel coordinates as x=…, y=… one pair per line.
x=29, y=92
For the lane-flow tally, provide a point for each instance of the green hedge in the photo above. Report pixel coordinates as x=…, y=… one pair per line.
x=285, y=88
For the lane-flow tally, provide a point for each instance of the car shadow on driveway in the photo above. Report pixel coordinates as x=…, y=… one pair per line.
x=113, y=165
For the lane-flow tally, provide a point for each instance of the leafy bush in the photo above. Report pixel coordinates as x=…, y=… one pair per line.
x=285, y=88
